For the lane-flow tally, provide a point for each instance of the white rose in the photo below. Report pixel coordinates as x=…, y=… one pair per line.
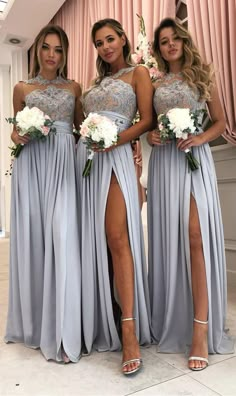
x=28, y=118
x=180, y=120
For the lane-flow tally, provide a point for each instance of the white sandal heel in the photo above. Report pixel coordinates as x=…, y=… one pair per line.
x=199, y=358
x=136, y=360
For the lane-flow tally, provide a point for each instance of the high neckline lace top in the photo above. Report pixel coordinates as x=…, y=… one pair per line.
x=42, y=81
x=120, y=72
x=112, y=94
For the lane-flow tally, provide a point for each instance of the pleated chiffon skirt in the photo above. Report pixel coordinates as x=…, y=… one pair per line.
x=45, y=271
x=170, y=185
x=99, y=327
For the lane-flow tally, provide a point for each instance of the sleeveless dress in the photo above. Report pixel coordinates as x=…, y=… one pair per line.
x=170, y=185
x=45, y=274
x=117, y=100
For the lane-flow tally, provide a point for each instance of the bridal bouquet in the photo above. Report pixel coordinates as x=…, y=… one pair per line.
x=100, y=131
x=31, y=121
x=177, y=124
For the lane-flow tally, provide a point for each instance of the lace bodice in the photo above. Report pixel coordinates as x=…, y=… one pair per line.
x=54, y=99
x=112, y=94
x=172, y=92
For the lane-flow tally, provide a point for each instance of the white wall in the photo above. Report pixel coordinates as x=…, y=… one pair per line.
x=225, y=162
x=9, y=75
x=5, y=111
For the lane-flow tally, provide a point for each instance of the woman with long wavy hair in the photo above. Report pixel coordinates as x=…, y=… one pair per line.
x=187, y=271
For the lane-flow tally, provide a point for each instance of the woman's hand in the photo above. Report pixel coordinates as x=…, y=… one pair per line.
x=191, y=141
x=98, y=149
x=17, y=139
x=154, y=139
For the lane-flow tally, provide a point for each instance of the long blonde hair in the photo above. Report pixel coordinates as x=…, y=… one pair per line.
x=38, y=42
x=197, y=73
x=103, y=68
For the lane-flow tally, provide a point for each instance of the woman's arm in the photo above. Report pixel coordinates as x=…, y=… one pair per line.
x=216, y=129
x=18, y=105
x=144, y=93
x=216, y=116
x=78, y=112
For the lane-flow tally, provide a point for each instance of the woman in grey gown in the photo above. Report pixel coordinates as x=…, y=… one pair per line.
x=45, y=280
x=187, y=272
x=111, y=222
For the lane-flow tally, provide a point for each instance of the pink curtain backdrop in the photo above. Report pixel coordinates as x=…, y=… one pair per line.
x=213, y=26
x=78, y=16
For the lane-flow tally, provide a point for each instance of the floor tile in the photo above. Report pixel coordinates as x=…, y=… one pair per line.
x=219, y=377
x=182, y=386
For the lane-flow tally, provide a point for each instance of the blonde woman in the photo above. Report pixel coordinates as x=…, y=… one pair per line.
x=187, y=272
x=45, y=282
x=111, y=223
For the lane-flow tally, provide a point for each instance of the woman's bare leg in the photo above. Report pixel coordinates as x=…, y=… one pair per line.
x=118, y=242
x=199, y=289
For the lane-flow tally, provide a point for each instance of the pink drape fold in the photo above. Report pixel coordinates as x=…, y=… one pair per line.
x=213, y=26
x=78, y=16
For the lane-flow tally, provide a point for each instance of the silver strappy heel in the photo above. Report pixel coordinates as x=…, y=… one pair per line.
x=136, y=360
x=199, y=358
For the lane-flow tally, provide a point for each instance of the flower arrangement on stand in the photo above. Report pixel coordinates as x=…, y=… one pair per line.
x=143, y=54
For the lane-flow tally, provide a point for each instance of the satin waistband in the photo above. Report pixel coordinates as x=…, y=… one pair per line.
x=121, y=121
x=63, y=127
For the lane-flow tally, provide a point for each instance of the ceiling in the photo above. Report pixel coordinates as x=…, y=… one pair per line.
x=21, y=21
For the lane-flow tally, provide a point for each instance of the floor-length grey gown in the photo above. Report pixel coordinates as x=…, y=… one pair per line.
x=45, y=280
x=170, y=185
x=117, y=100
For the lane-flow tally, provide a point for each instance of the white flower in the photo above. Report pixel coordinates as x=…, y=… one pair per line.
x=177, y=124
x=99, y=130
x=181, y=122
x=31, y=121
x=28, y=118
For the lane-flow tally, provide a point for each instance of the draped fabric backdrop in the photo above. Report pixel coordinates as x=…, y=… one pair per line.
x=213, y=27
x=211, y=22
x=78, y=16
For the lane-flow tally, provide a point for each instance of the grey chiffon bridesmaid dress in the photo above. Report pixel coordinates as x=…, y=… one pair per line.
x=170, y=185
x=45, y=274
x=117, y=100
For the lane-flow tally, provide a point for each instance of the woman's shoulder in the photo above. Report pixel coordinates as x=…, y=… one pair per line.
x=141, y=70
x=141, y=75
x=19, y=87
x=77, y=87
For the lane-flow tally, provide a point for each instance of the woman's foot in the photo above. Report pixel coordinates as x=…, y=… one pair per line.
x=131, y=353
x=64, y=356
x=198, y=357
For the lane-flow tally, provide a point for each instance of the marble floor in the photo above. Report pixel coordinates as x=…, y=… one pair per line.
x=25, y=372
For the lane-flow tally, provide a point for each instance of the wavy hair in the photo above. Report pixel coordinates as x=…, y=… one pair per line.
x=38, y=42
x=103, y=68
x=197, y=73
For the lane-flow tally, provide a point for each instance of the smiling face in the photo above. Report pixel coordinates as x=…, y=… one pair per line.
x=170, y=45
x=109, y=45
x=50, y=53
